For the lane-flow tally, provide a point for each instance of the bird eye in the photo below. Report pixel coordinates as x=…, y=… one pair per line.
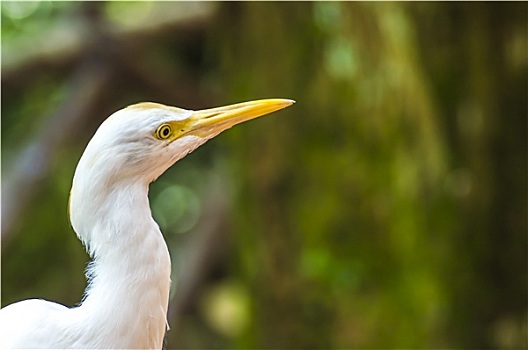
x=163, y=132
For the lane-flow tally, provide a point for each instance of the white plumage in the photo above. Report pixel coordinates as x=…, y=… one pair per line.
x=125, y=303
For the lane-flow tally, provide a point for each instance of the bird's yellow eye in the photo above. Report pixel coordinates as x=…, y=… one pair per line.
x=163, y=132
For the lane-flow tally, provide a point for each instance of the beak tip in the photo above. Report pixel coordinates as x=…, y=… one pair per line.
x=287, y=102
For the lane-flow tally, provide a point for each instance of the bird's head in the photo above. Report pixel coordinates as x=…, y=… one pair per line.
x=143, y=140
x=132, y=148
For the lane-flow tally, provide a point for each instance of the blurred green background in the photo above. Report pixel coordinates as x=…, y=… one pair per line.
x=386, y=209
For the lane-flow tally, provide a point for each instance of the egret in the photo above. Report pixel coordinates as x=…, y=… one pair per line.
x=125, y=303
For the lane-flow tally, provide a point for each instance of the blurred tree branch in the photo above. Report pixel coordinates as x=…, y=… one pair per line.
x=67, y=41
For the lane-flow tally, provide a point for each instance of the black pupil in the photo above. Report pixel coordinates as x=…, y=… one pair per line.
x=165, y=132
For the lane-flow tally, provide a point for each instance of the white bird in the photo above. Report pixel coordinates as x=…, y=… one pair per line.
x=125, y=303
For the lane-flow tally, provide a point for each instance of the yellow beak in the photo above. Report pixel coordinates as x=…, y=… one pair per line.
x=214, y=120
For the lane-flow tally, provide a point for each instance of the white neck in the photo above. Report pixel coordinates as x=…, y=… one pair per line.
x=127, y=298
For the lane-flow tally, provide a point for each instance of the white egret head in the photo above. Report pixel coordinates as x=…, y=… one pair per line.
x=143, y=140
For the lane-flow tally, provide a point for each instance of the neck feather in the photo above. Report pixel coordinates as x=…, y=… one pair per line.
x=129, y=277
